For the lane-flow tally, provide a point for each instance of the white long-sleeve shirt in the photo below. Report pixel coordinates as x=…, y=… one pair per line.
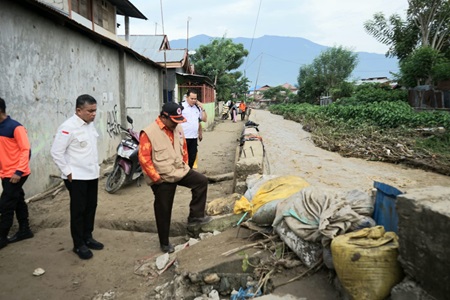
x=193, y=115
x=74, y=149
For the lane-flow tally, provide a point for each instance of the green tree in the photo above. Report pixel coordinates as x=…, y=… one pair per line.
x=279, y=93
x=427, y=24
x=328, y=71
x=217, y=60
x=425, y=66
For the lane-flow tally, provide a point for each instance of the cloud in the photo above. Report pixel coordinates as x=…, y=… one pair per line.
x=326, y=22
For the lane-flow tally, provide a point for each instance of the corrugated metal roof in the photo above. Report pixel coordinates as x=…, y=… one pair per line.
x=147, y=45
x=150, y=46
x=176, y=55
x=197, y=77
x=126, y=8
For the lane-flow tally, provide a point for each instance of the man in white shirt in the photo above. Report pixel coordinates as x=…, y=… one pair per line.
x=74, y=151
x=194, y=113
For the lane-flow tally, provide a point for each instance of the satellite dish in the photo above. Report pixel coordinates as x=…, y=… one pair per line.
x=192, y=52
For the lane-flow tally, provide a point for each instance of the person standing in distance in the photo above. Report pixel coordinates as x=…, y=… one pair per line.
x=74, y=151
x=194, y=113
x=163, y=157
x=242, y=109
x=14, y=171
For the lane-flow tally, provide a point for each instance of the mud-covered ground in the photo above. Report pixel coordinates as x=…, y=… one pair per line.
x=125, y=221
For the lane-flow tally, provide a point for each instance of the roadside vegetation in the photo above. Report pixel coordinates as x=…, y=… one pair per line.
x=377, y=123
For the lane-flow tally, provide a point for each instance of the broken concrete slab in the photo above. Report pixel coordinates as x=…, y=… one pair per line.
x=213, y=262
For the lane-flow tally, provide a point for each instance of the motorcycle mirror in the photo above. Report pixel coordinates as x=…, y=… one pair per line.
x=130, y=120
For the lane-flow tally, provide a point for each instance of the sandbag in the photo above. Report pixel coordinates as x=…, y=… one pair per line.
x=319, y=214
x=265, y=215
x=366, y=262
x=277, y=188
x=309, y=253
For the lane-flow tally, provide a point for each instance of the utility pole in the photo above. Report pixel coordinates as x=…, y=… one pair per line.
x=187, y=34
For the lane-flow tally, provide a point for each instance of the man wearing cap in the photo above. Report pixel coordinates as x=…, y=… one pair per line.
x=164, y=159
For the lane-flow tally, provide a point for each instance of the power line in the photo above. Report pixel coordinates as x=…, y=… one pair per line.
x=254, y=31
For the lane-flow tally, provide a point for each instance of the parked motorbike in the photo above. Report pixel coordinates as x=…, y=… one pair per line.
x=126, y=165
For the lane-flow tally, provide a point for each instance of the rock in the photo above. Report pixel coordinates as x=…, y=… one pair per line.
x=206, y=289
x=160, y=288
x=214, y=295
x=38, y=272
x=192, y=241
x=162, y=261
x=205, y=235
x=211, y=278
x=194, y=277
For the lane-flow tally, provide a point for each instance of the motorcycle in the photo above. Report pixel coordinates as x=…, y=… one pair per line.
x=126, y=165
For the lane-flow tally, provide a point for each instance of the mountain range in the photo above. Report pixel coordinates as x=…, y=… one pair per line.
x=275, y=60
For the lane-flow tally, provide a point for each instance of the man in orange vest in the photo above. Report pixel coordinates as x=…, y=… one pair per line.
x=164, y=159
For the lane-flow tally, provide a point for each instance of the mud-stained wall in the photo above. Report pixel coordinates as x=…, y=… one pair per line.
x=60, y=4
x=45, y=66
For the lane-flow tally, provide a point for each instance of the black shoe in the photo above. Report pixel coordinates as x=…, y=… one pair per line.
x=167, y=248
x=199, y=221
x=3, y=242
x=83, y=252
x=93, y=244
x=21, y=235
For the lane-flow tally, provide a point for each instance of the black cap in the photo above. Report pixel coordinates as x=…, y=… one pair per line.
x=173, y=110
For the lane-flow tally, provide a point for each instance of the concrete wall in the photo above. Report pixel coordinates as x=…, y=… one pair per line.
x=60, y=4
x=424, y=226
x=45, y=66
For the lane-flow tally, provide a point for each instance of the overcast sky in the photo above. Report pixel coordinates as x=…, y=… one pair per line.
x=325, y=22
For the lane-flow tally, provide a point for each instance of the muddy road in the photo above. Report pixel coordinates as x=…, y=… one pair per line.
x=290, y=151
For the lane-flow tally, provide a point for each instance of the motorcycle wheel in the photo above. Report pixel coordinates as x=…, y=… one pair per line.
x=115, y=180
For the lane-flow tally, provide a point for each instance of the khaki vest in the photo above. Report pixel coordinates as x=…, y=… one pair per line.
x=167, y=159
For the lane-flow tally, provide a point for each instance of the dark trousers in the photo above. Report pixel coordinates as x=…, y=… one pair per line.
x=13, y=200
x=192, y=151
x=83, y=205
x=164, y=197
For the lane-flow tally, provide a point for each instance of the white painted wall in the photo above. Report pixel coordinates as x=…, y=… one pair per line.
x=44, y=67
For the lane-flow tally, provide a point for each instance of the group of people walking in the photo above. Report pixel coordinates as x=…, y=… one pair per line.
x=166, y=155
x=237, y=109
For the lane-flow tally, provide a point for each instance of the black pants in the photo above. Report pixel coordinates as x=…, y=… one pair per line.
x=164, y=197
x=192, y=145
x=83, y=205
x=13, y=200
